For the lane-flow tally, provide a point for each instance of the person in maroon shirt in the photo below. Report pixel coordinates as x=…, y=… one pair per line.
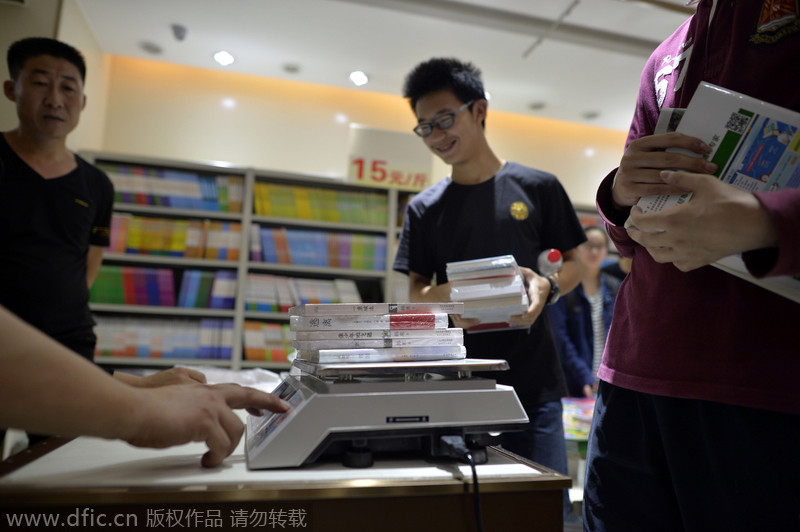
x=698, y=407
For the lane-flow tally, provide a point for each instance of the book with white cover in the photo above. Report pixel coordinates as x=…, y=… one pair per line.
x=489, y=287
x=344, y=309
x=454, y=333
x=496, y=314
x=756, y=146
x=485, y=267
x=392, y=354
x=516, y=300
x=369, y=321
x=312, y=345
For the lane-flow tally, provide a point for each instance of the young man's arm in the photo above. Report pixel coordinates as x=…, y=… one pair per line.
x=421, y=290
x=47, y=389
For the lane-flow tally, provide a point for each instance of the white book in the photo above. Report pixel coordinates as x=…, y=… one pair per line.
x=369, y=321
x=452, y=333
x=393, y=354
x=485, y=267
x=383, y=343
x=344, y=309
x=464, y=290
x=755, y=145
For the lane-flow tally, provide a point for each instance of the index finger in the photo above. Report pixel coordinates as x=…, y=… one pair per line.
x=673, y=139
x=245, y=397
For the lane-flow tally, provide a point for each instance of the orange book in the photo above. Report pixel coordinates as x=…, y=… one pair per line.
x=254, y=345
x=234, y=237
x=214, y=239
x=282, y=245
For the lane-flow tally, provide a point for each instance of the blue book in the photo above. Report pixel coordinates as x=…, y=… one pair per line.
x=380, y=253
x=207, y=332
x=301, y=247
x=208, y=188
x=176, y=199
x=151, y=285
x=192, y=279
x=320, y=240
x=268, y=250
x=226, y=339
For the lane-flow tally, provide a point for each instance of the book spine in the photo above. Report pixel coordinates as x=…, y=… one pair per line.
x=346, y=309
x=395, y=354
x=315, y=345
x=390, y=321
x=453, y=333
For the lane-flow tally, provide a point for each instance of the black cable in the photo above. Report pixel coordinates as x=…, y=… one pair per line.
x=456, y=447
x=476, y=496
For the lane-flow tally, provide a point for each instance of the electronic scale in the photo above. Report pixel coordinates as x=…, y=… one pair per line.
x=348, y=412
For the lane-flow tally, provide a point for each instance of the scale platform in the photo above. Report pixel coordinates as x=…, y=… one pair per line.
x=348, y=412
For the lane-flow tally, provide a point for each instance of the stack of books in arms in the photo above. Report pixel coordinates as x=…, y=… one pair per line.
x=376, y=332
x=492, y=290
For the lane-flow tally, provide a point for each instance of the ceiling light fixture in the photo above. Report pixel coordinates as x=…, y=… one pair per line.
x=150, y=47
x=358, y=78
x=223, y=58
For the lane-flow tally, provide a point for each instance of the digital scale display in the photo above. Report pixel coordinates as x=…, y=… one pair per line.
x=289, y=391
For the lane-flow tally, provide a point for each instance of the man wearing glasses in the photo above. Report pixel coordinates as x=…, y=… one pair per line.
x=489, y=207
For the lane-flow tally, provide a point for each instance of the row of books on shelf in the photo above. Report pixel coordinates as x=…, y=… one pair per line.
x=270, y=342
x=322, y=204
x=279, y=245
x=140, y=185
x=206, y=338
x=133, y=285
x=275, y=293
x=197, y=239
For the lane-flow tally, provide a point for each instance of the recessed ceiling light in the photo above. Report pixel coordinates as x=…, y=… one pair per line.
x=536, y=106
x=291, y=68
x=150, y=47
x=358, y=78
x=223, y=58
x=590, y=115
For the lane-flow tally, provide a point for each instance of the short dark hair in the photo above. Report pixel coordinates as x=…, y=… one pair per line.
x=598, y=228
x=24, y=49
x=439, y=73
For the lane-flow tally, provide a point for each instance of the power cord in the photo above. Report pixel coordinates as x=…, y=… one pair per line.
x=456, y=447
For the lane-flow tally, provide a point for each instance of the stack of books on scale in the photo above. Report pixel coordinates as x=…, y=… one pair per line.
x=346, y=333
x=492, y=290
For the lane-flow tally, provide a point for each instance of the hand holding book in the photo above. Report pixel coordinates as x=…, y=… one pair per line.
x=719, y=221
x=753, y=147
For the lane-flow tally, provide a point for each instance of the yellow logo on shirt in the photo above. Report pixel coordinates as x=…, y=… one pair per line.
x=519, y=210
x=81, y=202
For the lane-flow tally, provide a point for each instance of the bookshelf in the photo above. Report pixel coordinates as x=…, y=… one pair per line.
x=200, y=253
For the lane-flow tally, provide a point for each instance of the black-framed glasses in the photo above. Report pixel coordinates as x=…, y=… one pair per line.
x=440, y=122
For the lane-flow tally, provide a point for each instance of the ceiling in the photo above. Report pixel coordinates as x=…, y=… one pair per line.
x=574, y=60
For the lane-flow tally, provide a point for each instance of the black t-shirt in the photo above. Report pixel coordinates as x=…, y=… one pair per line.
x=46, y=228
x=520, y=211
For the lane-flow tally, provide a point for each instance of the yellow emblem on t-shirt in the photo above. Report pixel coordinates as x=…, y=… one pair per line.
x=519, y=210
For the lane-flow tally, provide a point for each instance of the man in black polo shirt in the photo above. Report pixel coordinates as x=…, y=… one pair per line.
x=489, y=207
x=55, y=208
